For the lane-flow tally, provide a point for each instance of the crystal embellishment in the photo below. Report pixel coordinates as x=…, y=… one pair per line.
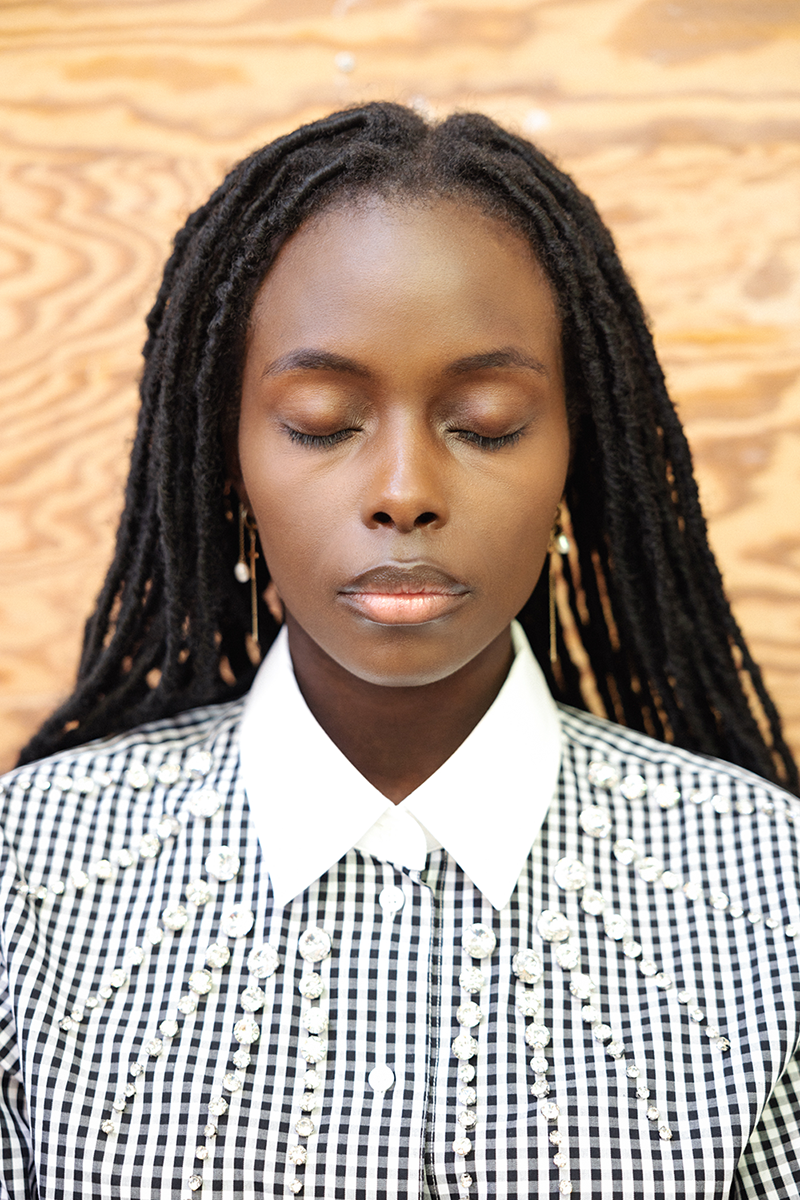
x=150, y=845
x=469, y=1014
x=472, y=979
x=593, y=902
x=199, y=763
x=198, y=892
x=217, y=956
x=625, y=851
x=237, y=922
x=571, y=874
x=263, y=961
x=478, y=941
x=311, y=986
x=465, y=1047
x=246, y=1031
x=314, y=945
x=595, y=821
x=205, y=803
x=223, y=864
x=527, y=966
x=633, y=787
x=603, y=775
x=252, y=999
x=175, y=917
x=200, y=982
x=553, y=926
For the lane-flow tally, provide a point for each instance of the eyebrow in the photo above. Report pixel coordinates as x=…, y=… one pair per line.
x=326, y=360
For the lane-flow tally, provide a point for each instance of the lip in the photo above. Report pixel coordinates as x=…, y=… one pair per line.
x=394, y=594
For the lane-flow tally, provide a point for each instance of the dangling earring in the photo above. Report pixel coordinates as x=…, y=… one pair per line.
x=559, y=544
x=247, y=571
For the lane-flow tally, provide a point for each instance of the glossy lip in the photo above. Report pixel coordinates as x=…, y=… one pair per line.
x=404, y=595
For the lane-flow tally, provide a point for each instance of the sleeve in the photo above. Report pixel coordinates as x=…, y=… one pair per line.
x=770, y=1165
x=17, y=1175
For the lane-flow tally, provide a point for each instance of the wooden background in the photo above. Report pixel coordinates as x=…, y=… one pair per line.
x=117, y=117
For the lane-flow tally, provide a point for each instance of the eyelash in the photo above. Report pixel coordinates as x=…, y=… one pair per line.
x=324, y=441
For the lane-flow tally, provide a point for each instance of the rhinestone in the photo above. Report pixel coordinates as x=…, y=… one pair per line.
x=169, y=1028
x=648, y=967
x=467, y=1119
x=791, y=931
x=130, y=1090
x=217, y=955
x=465, y=1047
x=718, y=900
x=137, y=777
x=241, y=1059
x=108, y=1127
x=310, y=986
x=466, y=1072
x=540, y=1089
x=630, y=948
x=625, y=851
x=263, y=962
x=136, y=956
x=472, y=979
x=684, y=997
x=772, y=922
x=118, y=978
x=246, y=1031
x=150, y=845
x=204, y=803
x=298, y=1155
x=539, y=1064
x=296, y=1186
x=195, y=1182
x=199, y=892
x=103, y=869
x=754, y=917
x=40, y=893
x=136, y=1069
x=528, y=1004
x=632, y=1071
x=231, y=1082
x=238, y=922
x=665, y=1133
x=66, y=1024
x=199, y=763
x=560, y=1160
x=80, y=880
x=721, y=805
x=565, y=1187
x=312, y=1079
x=553, y=926
x=105, y=992
x=633, y=787
x=549, y=1110
x=187, y=1005
x=120, y=1104
x=223, y=864
x=595, y=821
x=593, y=902
x=314, y=945
x=537, y=1036
x=315, y=1021
x=697, y=1015
x=602, y=1033
x=202, y=1152
x=602, y=774
x=670, y=880
x=58, y=888
x=582, y=987
x=616, y=1049
x=155, y=1047
x=692, y=890
x=466, y=1181
x=765, y=806
x=168, y=827
x=478, y=941
x=252, y=999
x=469, y=1015
x=643, y=1092
x=555, y=1138
x=154, y=936
x=649, y=870
x=589, y=1014
x=314, y=1050
x=462, y=1146
x=218, y=1106
x=201, y=982
x=616, y=927
x=175, y=917
x=745, y=808
x=711, y=1031
x=168, y=773
x=666, y=796
x=527, y=966
x=568, y=956
x=210, y=1130
x=701, y=796
x=304, y=1127
x=467, y=1096
x=571, y=874
x=663, y=981
x=84, y=785
x=652, y=1113
x=723, y=1043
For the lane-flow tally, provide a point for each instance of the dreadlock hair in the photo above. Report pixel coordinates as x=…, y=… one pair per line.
x=641, y=597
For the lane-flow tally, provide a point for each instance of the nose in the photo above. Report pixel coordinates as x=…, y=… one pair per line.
x=405, y=483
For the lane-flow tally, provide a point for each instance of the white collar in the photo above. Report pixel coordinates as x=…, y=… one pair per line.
x=485, y=805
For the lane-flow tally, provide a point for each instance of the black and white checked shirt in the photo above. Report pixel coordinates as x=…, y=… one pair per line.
x=696, y=947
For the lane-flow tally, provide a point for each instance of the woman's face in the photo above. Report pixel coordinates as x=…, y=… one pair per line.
x=403, y=439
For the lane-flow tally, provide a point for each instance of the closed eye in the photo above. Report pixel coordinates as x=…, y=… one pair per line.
x=488, y=443
x=320, y=440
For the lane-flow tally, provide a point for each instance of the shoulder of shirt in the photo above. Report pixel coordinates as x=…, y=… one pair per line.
x=603, y=740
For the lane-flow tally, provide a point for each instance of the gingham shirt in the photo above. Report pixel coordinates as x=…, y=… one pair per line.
x=694, y=949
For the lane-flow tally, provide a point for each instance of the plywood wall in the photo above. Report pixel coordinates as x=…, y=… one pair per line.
x=681, y=117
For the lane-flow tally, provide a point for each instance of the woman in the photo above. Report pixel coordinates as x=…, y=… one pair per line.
x=393, y=924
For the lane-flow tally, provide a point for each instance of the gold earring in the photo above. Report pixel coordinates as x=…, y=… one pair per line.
x=559, y=544
x=245, y=571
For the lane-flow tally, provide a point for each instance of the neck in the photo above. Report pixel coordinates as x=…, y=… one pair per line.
x=397, y=737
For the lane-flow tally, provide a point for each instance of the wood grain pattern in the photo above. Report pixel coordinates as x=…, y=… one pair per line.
x=680, y=117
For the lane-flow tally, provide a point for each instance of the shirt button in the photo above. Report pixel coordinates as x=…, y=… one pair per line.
x=391, y=900
x=381, y=1079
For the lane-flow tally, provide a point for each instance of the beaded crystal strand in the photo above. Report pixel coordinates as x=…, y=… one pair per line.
x=478, y=942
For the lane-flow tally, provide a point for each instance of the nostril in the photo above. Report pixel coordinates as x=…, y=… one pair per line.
x=382, y=518
x=425, y=518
